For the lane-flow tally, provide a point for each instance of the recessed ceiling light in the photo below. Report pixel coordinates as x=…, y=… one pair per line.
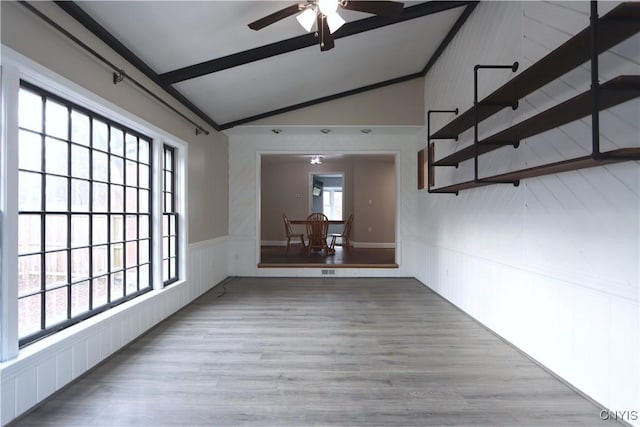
x=276, y=131
x=325, y=131
x=365, y=130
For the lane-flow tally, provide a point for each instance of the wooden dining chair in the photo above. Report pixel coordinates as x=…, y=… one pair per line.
x=345, y=236
x=291, y=235
x=317, y=231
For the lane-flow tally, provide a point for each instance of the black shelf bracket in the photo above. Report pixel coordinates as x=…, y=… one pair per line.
x=430, y=159
x=596, y=89
x=454, y=137
x=429, y=136
x=595, y=83
x=476, y=105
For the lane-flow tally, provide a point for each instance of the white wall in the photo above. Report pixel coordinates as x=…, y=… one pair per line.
x=248, y=143
x=551, y=265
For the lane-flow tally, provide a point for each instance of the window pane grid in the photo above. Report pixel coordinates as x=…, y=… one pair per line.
x=169, y=217
x=73, y=231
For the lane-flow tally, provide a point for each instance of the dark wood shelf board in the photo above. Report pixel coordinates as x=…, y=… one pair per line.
x=466, y=153
x=619, y=24
x=616, y=156
x=612, y=93
x=610, y=157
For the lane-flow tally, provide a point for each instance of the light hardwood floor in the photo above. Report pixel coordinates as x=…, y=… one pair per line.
x=297, y=352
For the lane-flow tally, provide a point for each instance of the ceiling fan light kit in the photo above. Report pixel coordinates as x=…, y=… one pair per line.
x=316, y=160
x=328, y=7
x=325, y=14
x=335, y=21
x=307, y=18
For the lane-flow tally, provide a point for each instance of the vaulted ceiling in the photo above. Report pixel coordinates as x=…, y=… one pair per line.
x=205, y=55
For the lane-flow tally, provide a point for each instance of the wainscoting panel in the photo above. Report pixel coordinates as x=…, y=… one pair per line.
x=552, y=319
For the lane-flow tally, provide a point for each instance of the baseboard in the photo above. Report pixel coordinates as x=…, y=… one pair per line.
x=378, y=245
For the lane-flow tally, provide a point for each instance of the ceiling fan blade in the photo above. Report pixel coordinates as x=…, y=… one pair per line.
x=275, y=17
x=390, y=9
x=324, y=35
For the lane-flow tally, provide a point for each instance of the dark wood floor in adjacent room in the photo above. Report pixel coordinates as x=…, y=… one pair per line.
x=277, y=256
x=300, y=352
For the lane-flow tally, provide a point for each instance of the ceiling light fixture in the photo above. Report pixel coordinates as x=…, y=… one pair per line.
x=327, y=8
x=334, y=21
x=307, y=18
x=323, y=15
x=316, y=160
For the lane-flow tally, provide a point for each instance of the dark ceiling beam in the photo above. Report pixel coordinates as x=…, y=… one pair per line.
x=99, y=31
x=273, y=49
x=450, y=35
x=321, y=100
x=441, y=48
x=306, y=40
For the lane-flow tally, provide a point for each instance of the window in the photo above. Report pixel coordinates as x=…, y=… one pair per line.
x=84, y=213
x=332, y=203
x=169, y=217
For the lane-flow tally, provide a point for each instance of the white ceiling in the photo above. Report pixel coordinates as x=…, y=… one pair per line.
x=169, y=35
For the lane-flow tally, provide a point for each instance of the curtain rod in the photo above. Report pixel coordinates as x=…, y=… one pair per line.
x=118, y=73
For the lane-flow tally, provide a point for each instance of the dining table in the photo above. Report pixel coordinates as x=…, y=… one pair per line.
x=331, y=222
x=304, y=221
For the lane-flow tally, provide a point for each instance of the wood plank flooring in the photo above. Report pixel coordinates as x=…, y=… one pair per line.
x=300, y=352
x=276, y=256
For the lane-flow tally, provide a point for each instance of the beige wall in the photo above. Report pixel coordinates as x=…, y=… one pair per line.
x=375, y=200
x=401, y=104
x=285, y=189
x=208, y=166
x=208, y=187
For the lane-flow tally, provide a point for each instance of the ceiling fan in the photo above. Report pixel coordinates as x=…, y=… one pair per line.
x=323, y=13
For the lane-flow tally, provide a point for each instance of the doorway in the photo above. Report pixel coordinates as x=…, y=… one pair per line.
x=327, y=194
x=362, y=185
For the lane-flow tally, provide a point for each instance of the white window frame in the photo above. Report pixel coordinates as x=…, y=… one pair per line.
x=332, y=191
x=310, y=186
x=16, y=67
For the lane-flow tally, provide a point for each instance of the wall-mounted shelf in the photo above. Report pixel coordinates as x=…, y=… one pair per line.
x=619, y=24
x=616, y=26
x=614, y=156
x=613, y=92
